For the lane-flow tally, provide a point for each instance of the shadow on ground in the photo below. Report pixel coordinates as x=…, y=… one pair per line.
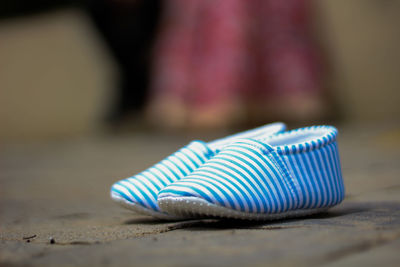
x=346, y=214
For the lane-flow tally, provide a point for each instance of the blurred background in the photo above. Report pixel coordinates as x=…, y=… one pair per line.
x=77, y=68
x=94, y=91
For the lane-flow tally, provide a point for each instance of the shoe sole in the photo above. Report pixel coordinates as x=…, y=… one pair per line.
x=193, y=207
x=139, y=209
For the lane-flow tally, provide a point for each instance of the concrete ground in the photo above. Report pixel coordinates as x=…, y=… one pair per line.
x=59, y=191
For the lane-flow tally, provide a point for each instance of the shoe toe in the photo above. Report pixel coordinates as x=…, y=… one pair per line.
x=131, y=191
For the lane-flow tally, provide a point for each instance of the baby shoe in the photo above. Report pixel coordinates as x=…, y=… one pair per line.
x=294, y=173
x=139, y=192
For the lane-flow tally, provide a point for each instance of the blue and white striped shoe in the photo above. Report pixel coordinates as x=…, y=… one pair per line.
x=139, y=192
x=290, y=174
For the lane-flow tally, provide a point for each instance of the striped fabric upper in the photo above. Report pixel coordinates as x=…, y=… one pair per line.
x=143, y=187
x=140, y=191
x=294, y=170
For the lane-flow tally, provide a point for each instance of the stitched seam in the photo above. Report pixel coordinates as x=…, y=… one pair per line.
x=259, y=147
x=329, y=136
x=289, y=181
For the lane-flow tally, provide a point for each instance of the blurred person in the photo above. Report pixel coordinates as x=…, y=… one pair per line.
x=218, y=62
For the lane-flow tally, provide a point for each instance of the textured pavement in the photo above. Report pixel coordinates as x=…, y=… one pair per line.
x=55, y=210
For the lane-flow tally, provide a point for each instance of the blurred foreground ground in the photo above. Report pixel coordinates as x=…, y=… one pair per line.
x=61, y=190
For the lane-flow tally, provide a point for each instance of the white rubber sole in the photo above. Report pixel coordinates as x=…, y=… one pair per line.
x=194, y=207
x=139, y=209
